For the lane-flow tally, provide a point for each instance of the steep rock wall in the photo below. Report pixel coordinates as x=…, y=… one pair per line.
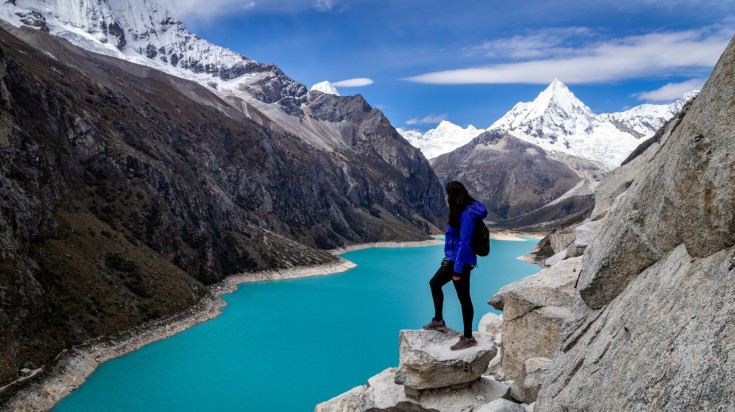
x=652, y=325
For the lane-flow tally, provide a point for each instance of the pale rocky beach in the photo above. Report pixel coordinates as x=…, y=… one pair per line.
x=515, y=236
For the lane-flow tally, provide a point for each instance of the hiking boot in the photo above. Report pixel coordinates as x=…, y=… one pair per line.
x=434, y=325
x=464, y=343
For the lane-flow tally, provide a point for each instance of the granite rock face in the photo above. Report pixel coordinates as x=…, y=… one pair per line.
x=683, y=195
x=652, y=326
x=427, y=362
x=491, y=324
x=501, y=405
x=383, y=394
x=534, y=374
x=534, y=309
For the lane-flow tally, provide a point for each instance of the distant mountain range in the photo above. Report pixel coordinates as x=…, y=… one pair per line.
x=558, y=121
x=539, y=164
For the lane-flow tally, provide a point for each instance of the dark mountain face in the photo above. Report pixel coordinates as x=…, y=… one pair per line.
x=124, y=190
x=513, y=178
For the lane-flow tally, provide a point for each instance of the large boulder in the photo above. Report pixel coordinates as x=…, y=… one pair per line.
x=534, y=373
x=491, y=324
x=501, y=405
x=561, y=238
x=583, y=235
x=350, y=401
x=534, y=309
x=425, y=360
x=382, y=394
x=585, y=232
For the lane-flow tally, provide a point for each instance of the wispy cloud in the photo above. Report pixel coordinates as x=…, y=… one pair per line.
x=670, y=91
x=690, y=52
x=430, y=119
x=357, y=82
x=550, y=42
x=206, y=10
x=325, y=5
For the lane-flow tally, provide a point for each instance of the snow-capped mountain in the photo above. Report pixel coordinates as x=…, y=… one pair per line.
x=557, y=121
x=644, y=120
x=443, y=139
x=146, y=33
x=560, y=123
x=325, y=87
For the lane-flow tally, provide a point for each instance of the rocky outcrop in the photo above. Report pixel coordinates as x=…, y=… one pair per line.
x=534, y=374
x=430, y=377
x=534, y=309
x=426, y=361
x=652, y=327
x=501, y=405
x=382, y=394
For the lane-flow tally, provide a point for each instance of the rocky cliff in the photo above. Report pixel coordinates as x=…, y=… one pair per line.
x=126, y=190
x=652, y=326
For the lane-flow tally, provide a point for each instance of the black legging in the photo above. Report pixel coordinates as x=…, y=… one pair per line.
x=462, y=286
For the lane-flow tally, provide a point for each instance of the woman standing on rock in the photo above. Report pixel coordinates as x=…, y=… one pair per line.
x=459, y=260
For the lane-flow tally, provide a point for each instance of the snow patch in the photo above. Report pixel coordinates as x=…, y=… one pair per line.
x=325, y=87
x=446, y=137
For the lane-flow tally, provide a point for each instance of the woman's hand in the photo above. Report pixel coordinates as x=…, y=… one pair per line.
x=456, y=278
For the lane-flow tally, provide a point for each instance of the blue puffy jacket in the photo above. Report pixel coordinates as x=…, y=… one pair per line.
x=458, y=243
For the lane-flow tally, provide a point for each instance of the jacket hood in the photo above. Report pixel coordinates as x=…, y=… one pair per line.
x=477, y=210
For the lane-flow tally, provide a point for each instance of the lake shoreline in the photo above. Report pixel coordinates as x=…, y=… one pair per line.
x=78, y=363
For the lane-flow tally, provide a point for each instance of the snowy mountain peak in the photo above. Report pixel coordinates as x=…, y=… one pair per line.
x=557, y=121
x=325, y=87
x=143, y=32
x=446, y=137
x=553, y=115
x=557, y=97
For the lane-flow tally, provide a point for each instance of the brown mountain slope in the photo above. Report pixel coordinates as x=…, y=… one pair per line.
x=123, y=190
x=513, y=178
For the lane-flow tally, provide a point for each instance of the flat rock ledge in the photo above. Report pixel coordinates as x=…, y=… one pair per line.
x=427, y=362
x=382, y=394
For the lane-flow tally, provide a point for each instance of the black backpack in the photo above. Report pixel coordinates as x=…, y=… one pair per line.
x=481, y=239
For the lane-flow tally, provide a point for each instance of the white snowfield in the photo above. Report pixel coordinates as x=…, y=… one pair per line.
x=443, y=139
x=559, y=122
x=325, y=87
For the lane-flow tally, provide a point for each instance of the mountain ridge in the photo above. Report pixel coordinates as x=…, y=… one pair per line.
x=144, y=32
x=559, y=122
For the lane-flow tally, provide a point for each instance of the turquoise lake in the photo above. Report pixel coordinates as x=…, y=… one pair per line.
x=288, y=345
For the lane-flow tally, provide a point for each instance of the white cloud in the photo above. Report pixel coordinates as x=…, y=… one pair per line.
x=209, y=9
x=691, y=52
x=670, y=91
x=533, y=44
x=324, y=5
x=430, y=119
x=357, y=82
x=194, y=11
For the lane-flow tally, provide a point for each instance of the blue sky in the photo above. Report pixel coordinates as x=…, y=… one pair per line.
x=470, y=61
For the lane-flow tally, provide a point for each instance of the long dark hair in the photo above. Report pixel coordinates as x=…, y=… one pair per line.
x=458, y=199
